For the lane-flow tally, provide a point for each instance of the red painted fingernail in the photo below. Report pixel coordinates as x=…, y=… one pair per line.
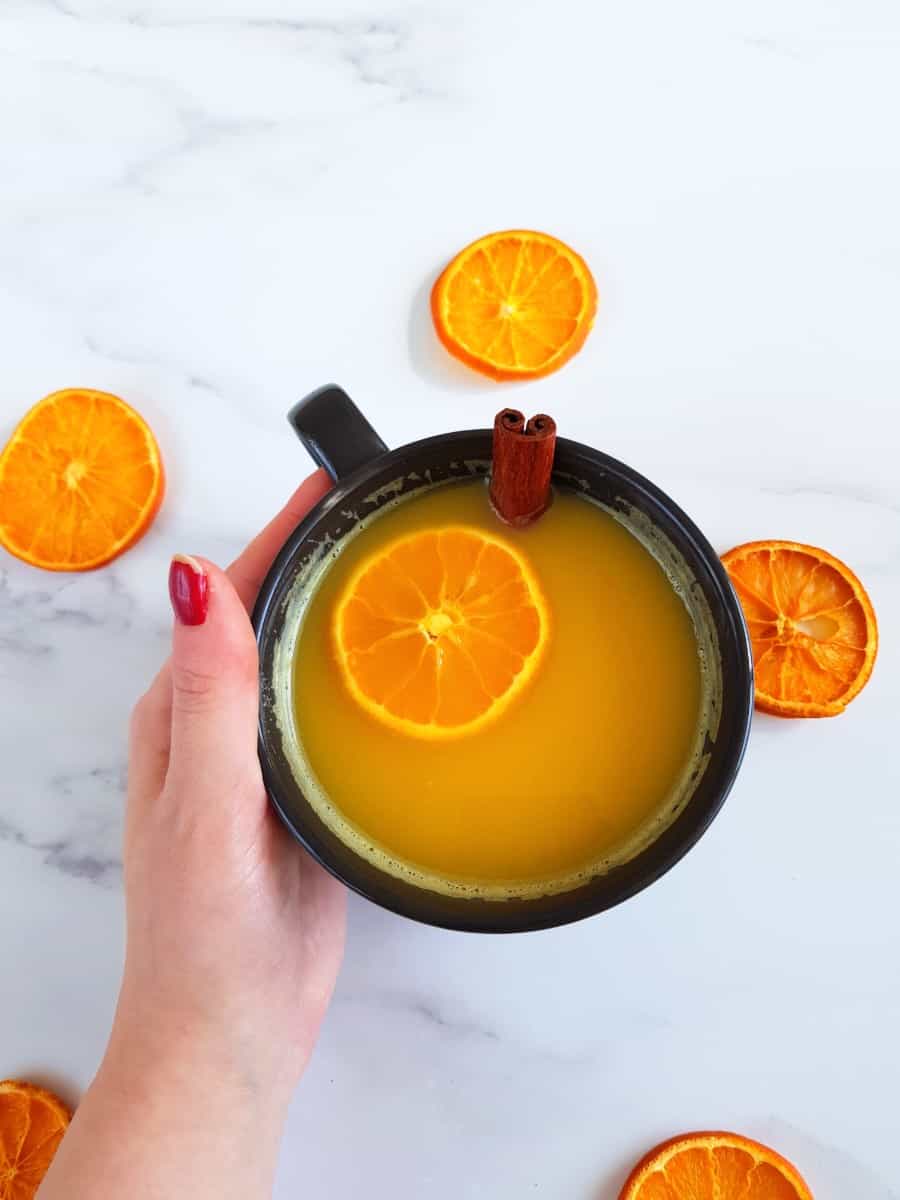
x=188, y=590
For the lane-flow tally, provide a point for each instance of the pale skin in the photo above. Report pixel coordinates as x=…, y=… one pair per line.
x=234, y=935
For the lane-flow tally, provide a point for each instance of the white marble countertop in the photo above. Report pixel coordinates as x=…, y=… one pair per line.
x=212, y=207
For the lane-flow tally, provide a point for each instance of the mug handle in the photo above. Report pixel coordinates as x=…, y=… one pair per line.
x=334, y=431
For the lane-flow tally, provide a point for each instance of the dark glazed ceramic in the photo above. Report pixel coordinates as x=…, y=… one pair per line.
x=368, y=475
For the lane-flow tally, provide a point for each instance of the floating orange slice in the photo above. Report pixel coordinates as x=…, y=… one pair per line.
x=515, y=305
x=714, y=1166
x=81, y=480
x=438, y=632
x=811, y=623
x=32, y=1123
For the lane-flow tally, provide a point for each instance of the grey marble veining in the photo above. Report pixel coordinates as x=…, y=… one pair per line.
x=210, y=208
x=87, y=842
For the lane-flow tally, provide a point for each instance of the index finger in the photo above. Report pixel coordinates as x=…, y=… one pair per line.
x=248, y=571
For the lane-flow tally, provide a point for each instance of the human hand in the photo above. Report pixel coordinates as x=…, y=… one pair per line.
x=235, y=935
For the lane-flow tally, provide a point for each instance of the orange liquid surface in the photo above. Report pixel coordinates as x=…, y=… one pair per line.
x=580, y=761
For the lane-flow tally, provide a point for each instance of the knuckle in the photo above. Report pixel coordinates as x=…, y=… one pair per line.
x=140, y=714
x=193, y=690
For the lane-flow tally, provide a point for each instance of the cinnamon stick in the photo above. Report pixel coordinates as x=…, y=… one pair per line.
x=522, y=466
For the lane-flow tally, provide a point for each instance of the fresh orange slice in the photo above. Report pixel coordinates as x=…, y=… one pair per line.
x=439, y=631
x=32, y=1123
x=515, y=305
x=81, y=480
x=811, y=623
x=714, y=1166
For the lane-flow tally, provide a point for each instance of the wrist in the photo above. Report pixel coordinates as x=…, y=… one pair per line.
x=171, y=1117
x=208, y=1066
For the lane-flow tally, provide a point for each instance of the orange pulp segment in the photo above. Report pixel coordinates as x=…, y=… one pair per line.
x=515, y=305
x=811, y=623
x=81, y=479
x=32, y=1123
x=714, y=1166
x=438, y=632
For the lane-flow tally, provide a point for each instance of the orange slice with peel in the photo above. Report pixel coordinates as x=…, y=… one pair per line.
x=32, y=1123
x=515, y=305
x=439, y=631
x=811, y=623
x=714, y=1166
x=81, y=480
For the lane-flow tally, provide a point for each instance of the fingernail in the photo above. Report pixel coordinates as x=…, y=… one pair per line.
x=188, y=590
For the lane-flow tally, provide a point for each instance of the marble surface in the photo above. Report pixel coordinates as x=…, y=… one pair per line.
x=212, y=207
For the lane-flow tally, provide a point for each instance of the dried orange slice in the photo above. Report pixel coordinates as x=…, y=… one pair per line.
x=714, y=1166
x=81, y=480
x=32, y=1123
x=440, y=630
x=515, y=305
x=811, y=623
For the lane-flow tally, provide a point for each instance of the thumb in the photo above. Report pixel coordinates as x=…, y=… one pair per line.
x=215, y=680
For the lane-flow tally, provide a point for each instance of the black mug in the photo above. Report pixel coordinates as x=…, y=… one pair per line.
x=367, y=476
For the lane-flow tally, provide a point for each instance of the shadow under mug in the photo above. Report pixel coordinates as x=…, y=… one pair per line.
x=368, y=476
